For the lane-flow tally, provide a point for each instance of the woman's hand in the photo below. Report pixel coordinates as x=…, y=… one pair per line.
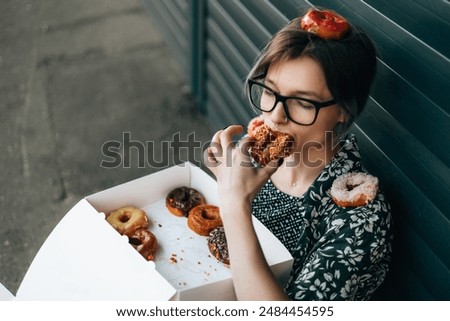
x=238, y=182
x=237, y=178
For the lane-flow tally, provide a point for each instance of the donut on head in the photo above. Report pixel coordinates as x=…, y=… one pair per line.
x=325, y=24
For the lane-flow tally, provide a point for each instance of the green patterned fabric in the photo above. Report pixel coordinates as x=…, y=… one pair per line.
x=339, y=253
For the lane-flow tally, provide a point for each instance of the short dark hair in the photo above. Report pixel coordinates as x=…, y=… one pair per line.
x=349, y=64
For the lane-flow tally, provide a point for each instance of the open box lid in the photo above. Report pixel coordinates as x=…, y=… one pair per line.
x=79, y=261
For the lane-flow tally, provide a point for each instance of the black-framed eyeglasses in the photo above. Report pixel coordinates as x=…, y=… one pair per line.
x=301, y=111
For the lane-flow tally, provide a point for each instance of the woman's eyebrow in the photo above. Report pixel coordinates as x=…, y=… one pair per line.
x=299, y=93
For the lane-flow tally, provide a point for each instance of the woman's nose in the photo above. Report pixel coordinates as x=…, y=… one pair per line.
x=278, y=114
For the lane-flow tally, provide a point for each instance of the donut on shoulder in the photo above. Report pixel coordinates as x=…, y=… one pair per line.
x=217, y=244
x=126, y=220
x=204, y=218
x=268, y=144
x=145, y=243
x=354, y=189
x=182, y=199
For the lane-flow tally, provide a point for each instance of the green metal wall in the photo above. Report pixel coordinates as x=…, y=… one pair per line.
x=404, y=132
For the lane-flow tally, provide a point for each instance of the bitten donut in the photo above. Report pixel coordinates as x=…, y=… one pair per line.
x=268, y=145
x=127, y=220
x=145, y=243
x=326, y=24
x=354, y=189
x=182, y=199
x=217, y=244
x=204, y=218
x=253, y=125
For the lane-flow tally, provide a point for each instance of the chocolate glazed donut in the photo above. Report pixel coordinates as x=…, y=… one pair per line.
x=182, y=199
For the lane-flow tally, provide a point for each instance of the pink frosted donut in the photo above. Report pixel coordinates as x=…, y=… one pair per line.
x=354, y=189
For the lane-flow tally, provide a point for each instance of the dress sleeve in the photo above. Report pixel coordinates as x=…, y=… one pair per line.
x=350, y=258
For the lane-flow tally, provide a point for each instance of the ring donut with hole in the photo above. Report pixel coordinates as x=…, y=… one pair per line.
x=325, y=24
x=127, y=220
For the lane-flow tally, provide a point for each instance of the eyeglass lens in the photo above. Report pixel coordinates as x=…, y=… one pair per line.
x=300, y=111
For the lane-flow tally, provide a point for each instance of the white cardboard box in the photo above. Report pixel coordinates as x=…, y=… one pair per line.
x=84, y=258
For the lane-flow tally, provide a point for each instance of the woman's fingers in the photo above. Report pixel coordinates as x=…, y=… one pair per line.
x=226, y=136
x=221, y=144
x=223, y=151
x=213, y=153
x=210, y=160
x=243, y=145
x=227, y=143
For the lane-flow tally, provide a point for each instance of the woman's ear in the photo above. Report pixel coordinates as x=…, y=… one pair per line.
x=341, y=124
x=343, y=115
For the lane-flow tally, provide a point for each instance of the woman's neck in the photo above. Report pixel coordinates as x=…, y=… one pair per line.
x=301, y=169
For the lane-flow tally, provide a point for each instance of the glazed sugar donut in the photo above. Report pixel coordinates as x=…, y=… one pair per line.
x=145, y=243
x=269, y=145
x=217, y=244
x=127, y=220
x=354, y=189
x=326, y=24
x=204, y=218
x=182, y=199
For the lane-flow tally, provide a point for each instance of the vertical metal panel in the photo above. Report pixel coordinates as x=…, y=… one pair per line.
x=402, y=134
x=171, y=20
x=197, y=53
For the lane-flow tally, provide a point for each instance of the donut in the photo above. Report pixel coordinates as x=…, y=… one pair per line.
x=354, y=189
x=268, y=144
x=217, y=244
x=145, y=243
x=253, y=125
x=326, y=24
x=127, y=220
x=182, y=199
x=204, y=218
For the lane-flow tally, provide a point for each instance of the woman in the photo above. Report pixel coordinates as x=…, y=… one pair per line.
x=313, y=89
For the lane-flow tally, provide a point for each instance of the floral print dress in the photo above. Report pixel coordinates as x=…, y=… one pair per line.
x=339, y=253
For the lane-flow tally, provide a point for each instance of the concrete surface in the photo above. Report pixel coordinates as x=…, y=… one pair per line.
x=75, y=75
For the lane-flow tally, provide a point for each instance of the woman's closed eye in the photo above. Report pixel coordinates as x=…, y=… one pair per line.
x=301, y=104
x=268, y=92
